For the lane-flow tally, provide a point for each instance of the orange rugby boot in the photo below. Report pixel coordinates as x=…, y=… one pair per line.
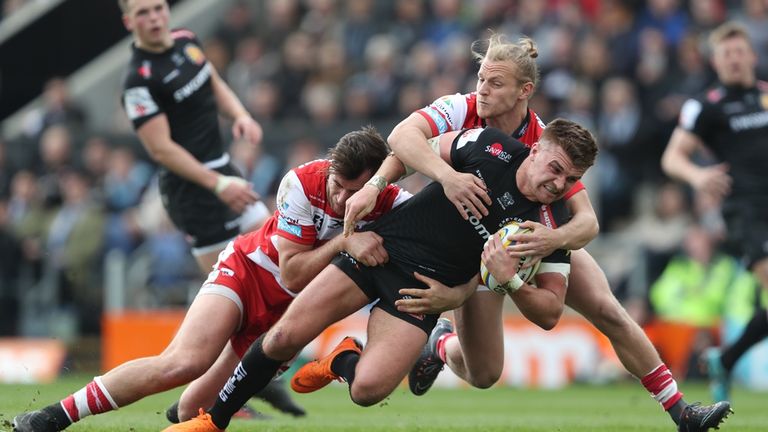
x=317, y=373
x=201, y=423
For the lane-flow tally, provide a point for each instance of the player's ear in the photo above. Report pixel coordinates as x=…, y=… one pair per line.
x=535, y=148
x=526, y=91
x=127, y=23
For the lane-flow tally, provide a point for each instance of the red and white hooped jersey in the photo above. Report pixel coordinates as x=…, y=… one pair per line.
x=459, y=111
x=305, y=216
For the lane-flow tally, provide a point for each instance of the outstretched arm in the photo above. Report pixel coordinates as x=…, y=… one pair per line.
x=155, y=135
x=409, y=141
x=300, y=263
x=676, y=163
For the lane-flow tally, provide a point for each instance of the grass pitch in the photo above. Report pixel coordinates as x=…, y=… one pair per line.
x=616, y=407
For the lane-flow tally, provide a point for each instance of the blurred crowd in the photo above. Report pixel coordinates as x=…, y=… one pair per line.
x=311, y=70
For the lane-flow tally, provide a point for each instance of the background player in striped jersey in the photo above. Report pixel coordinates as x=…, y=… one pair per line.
x=507, y=78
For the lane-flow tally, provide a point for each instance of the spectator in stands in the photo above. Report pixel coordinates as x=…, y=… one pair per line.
x=58, y=109
x=73, y=246
x=55, y=156
x=10, y=264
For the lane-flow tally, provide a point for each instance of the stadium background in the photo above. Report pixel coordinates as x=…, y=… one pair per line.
x=309, y=71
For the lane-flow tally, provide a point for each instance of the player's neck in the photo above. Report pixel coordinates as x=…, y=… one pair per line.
x=509, y=121
x=165, y=44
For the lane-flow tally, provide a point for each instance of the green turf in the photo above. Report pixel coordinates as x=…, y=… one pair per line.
x=616, y=407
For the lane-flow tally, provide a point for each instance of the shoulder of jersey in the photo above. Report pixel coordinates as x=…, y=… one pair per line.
x=469, y=136
x=313, y=166
x=182, y=33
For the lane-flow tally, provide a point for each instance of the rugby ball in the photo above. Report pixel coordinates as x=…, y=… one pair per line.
x=526, y=274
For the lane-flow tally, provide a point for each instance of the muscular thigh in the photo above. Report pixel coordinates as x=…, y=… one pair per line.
x=201, y=337
x=328, y=298
x=588, y=289
x=480, y=328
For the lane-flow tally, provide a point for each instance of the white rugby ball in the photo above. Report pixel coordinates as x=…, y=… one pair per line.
x=526, y=274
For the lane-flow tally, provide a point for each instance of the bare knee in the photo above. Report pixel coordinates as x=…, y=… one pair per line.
x=611, y=318
x=281, y=344
x=177, y=370
x=483, y=379
x=366, y=392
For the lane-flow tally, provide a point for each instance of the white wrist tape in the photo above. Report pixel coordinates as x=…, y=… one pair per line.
x=223, y=181
x=513, y=284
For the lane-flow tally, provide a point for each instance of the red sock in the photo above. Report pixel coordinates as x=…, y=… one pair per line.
x=441, y=345
x=91, y=399
x=662, y=386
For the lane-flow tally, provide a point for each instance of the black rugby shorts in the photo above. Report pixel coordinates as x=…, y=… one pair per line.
x=383, y=282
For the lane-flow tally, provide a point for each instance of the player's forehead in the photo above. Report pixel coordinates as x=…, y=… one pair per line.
x=733, y=43
x=490, y=69
x=556, y=155
x=339, y=181
x=135, y=5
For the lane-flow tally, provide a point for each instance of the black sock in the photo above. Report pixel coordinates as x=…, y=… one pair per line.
x=253, y=373
x=677, y=410
x=57, y=412
x=344, y=365
x=756, y=330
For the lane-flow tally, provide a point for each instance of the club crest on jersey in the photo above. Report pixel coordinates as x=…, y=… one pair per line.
x=194, y=54
x=506, y=200
x=497, y=150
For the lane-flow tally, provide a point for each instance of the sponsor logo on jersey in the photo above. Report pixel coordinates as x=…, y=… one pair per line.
x=440, y=123
x=139, y=102
x=749, y=121
x=193, y=85
x=194, y=54
x=497, y=150
x=545, y=215
x=174, y=73
x=145, y=70
x=288, y=227
x=227, y=272
x=479, y=227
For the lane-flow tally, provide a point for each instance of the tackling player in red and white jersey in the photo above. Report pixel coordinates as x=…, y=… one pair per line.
x=506, y=80
x=309, y=214
x=255, y=279
x=459, y=111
